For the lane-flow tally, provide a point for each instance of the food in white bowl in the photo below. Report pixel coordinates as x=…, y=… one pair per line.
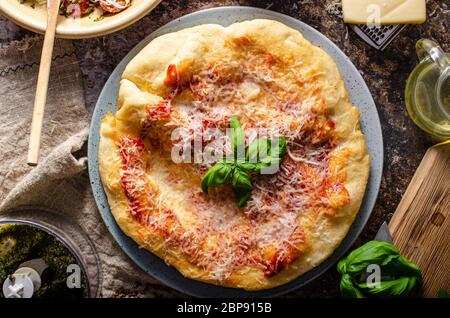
x=83, y=8
x=78, y=18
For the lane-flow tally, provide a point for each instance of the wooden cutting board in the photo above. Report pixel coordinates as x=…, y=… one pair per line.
x=420, y=226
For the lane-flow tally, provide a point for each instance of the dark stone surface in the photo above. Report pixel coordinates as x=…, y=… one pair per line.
x=384, y=72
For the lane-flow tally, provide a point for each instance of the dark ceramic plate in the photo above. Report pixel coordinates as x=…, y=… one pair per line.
x=359, y=95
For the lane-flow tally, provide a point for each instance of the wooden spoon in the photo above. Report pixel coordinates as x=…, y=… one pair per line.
x=42, y=83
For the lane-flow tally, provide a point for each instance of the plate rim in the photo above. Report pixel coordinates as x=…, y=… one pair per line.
x=352, y=235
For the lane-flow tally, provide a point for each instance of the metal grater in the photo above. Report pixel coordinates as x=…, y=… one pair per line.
x=378, y=36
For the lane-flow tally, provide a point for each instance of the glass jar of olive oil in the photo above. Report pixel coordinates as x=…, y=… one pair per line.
x=428, y=90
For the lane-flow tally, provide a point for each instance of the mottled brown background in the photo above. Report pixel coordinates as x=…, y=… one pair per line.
x=384, y=72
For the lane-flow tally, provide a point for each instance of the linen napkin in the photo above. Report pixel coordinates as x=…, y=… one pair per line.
x=60, y=181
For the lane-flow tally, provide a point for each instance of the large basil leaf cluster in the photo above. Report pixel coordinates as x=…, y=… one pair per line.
x=398, y=275
x=237, y=170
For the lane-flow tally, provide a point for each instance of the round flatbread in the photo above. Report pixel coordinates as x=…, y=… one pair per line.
x=275, y=83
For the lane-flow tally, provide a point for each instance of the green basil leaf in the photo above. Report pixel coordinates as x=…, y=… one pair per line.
x=242, y=186
x=390, y=288
x=237, y=137
x=280, y=150
x=247, y=166
x=229, y=161
x=348, y=289
x=242, y=196
x=257, y=150
x=398, y=275
x=407, y=268
x=218, y=174
x=262, y=152
x=277, y=150
x=342, y=266
x=373, y=252
x=241, y=180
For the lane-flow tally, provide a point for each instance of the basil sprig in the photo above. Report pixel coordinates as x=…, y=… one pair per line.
x=218, y=174
x=261, y=154
x=237, y=136
x=398, y=278
x=238, y=170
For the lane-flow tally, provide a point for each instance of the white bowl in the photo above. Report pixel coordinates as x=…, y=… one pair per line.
x=90, y=26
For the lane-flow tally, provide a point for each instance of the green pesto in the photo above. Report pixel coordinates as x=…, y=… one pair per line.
x=20, y=243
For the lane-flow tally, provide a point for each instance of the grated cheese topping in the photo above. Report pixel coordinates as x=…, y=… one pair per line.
x=266, y=234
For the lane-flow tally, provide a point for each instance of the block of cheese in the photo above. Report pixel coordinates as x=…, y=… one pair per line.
x=384, y=11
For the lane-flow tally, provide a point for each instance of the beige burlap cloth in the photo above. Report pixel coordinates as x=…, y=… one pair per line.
x=60, y=181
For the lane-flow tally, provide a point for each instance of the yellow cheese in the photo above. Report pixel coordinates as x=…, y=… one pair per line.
x=384, y=11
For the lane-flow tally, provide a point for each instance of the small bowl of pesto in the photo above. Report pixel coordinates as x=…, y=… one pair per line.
x=44, y=260
x=78, y=18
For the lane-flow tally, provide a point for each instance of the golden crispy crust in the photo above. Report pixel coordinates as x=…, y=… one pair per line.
x=143, y=85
